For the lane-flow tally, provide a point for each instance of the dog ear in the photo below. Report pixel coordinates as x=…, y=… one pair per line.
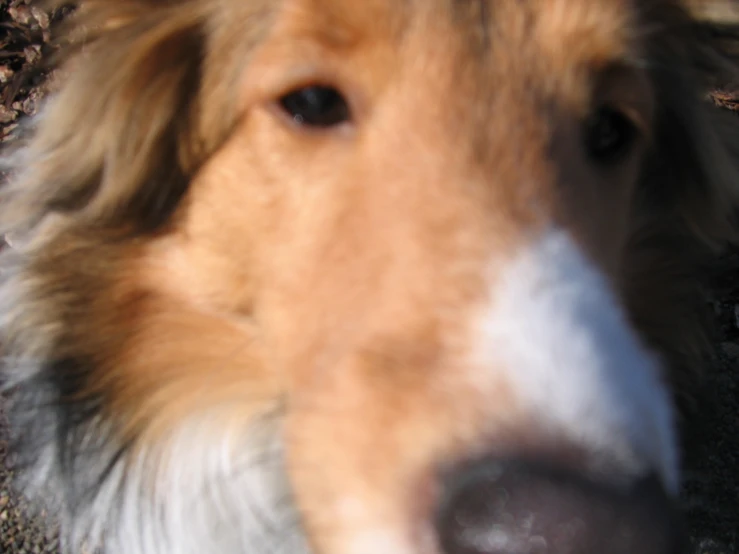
x=716, y=61
x=696, y=65
x=118, y=141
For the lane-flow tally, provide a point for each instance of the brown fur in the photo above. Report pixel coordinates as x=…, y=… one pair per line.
x=187, y=247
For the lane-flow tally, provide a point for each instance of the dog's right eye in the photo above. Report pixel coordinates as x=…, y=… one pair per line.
x=316, y=106
x=609, y=136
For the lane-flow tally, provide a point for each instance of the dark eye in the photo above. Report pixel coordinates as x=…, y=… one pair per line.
x=316, y=106
x=609, y=136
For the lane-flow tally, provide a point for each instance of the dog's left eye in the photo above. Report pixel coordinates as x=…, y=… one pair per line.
x=609, y=136
x=316, y=106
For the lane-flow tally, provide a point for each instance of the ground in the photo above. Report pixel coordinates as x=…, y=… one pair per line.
x=711, y=439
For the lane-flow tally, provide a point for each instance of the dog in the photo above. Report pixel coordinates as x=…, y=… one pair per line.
x=382, y=276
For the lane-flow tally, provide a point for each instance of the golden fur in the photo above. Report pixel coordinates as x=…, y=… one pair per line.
x=180, y=247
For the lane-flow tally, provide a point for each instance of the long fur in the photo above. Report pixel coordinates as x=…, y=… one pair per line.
x=143, y=101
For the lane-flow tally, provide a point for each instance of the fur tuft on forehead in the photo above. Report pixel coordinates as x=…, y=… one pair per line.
x=156, y=74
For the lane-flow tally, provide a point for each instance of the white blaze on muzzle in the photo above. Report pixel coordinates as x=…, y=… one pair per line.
x=556, y=333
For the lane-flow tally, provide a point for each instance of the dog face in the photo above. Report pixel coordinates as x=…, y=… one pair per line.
x=326, y=271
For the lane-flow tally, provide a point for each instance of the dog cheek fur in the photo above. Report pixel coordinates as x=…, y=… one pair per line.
x=685, y=207
x=109, y=160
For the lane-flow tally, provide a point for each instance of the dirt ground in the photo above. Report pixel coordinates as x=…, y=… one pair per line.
x=711, y=436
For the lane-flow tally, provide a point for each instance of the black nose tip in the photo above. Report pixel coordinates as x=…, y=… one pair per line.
x=506, y=508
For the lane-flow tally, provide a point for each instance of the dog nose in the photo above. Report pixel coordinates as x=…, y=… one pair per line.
x=516, y=508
